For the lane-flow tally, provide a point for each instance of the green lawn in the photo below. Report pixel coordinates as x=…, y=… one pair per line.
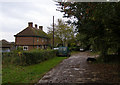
x=28, y=74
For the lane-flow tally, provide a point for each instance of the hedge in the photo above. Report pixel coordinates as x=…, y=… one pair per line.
x=34, y=57
x=10, y=58
x=28, y=57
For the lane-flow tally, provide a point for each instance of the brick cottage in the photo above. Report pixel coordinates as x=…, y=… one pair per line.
x=32, y=37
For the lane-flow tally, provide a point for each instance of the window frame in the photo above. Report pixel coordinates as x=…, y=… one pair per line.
x=25, y=47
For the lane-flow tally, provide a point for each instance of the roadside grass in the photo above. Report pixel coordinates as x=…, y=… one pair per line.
x=28, y=74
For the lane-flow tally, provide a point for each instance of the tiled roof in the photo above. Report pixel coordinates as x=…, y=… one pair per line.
x=33, y=32
x=6, y=43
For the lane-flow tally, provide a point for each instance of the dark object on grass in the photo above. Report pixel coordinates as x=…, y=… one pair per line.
x=91, y=59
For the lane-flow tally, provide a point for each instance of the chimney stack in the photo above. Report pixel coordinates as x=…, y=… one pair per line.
x=41, y=27
x=30, y=24
x=36, y=26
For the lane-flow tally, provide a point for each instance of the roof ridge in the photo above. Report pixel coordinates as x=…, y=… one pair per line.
x=32, y=31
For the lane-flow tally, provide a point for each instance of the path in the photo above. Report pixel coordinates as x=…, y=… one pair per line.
x=76, y=69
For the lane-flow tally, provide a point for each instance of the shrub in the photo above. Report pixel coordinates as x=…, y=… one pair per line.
x=10, y=58
x=37, y=56
x=74, y=48
x=27, y=57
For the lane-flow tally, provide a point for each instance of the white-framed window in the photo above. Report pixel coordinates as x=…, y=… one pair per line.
x=25, y=47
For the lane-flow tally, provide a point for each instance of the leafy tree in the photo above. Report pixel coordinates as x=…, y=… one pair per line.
x=97, y=24
x=63, y=33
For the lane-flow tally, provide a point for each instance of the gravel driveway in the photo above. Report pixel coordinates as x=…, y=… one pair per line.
x=76, y=69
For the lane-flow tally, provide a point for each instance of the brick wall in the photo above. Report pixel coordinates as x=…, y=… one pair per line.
x=40, y=41
x=24, y=41
x=31, y=42
x=30, y=47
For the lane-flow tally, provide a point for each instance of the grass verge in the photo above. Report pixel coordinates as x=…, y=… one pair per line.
x=28, y=74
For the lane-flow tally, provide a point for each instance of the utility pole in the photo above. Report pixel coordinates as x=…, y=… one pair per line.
x=53, y=31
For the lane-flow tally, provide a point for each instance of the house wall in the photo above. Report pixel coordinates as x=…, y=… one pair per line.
x=37, y=47
x=30, y=47
x=31, y=42
x=24, y=41
x=37, y=41
x=40, y=41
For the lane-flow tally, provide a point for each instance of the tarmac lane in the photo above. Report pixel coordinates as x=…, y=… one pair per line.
x=76, y=69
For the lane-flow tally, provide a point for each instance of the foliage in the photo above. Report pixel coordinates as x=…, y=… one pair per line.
x=19, y=49
x=28, y=74
x=97, y=24
x=76, y=48
x=37, y=56
x=63, y=33
x=27, y=58
x=10, y=58
x=109, y=59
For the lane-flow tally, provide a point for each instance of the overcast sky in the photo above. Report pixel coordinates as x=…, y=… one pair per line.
x=15, y=15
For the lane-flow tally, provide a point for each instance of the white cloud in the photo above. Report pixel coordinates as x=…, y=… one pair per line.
x=8, y=35
x=15, y=15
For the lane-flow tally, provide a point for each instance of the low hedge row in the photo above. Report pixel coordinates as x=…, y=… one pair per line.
x=34, y=57
x=10, y=58
x=28, y=57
